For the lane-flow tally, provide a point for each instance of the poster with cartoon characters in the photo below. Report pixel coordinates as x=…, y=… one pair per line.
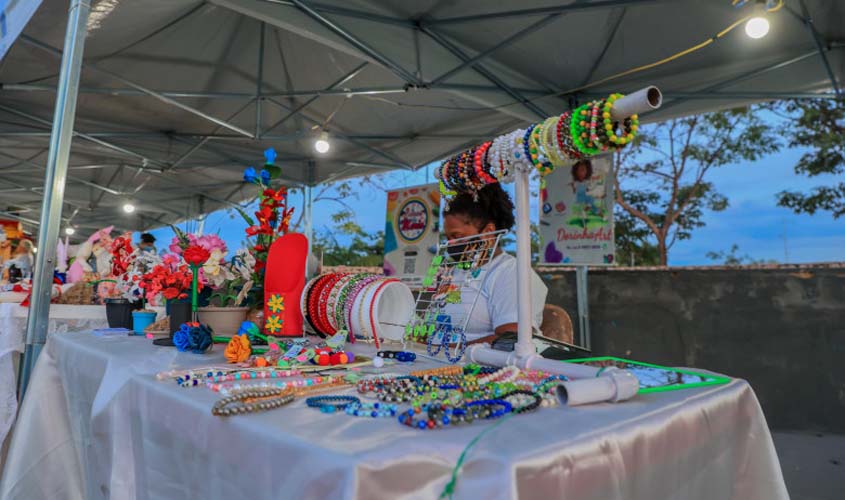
x=411, y=232
x=576, y=213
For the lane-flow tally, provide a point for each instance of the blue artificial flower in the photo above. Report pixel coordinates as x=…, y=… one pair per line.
x=270, y=156
x=250, y=175
x=265, y=177
x=200, y=338
x=182, y=338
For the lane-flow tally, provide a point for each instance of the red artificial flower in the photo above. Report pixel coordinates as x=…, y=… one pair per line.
x=196, y=255
x=121, y=250
x=172, y=282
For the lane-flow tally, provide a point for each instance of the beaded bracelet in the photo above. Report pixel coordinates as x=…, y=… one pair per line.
x=443, y=417
x=330, y=404
x=374, y=410
x=401, y=356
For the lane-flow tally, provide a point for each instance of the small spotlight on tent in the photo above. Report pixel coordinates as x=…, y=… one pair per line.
x=322, y=145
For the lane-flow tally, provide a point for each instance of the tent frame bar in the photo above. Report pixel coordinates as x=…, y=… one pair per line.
x=472, y=62
x=356, y=42
x=184, y=107
x=460, y=54
x=817, y=38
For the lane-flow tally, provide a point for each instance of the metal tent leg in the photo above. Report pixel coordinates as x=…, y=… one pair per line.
x=54, y=184
x=583, y=307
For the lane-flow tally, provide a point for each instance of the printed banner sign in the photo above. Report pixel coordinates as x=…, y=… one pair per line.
x=576, y=213
x=411, y=232
x=14, y=14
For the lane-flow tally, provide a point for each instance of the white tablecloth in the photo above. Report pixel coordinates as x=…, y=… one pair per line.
x=96, y=424
x=63, y=318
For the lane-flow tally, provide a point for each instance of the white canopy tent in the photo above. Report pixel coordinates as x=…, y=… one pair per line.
x=176, y=97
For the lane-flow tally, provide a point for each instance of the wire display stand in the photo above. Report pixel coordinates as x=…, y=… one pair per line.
x=441, y=313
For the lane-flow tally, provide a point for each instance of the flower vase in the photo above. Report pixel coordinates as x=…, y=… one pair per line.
x=179, y=313
x=119, y=313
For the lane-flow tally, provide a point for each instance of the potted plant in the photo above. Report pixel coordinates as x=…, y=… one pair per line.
x=231, y=284
x=112, y=287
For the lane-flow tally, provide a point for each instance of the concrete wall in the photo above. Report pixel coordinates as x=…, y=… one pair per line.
x=782, y=328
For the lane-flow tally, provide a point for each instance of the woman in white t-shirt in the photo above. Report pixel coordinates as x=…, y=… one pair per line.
x=495, y=311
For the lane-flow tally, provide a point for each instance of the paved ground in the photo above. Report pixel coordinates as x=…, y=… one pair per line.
x=813, y=464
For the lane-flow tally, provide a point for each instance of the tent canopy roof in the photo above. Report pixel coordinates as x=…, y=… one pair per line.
x=177, y=97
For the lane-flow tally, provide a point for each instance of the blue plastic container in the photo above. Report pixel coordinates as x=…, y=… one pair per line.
x=141, y=320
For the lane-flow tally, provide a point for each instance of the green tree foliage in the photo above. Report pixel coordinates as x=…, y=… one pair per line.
x=358, y=247
x=661, y=179
x=819, y=125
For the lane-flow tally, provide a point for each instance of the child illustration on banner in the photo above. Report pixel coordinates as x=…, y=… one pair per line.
x=589, y=189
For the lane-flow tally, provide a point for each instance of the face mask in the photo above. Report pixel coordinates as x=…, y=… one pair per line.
x=457, y=250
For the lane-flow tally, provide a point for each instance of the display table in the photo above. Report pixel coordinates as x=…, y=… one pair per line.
x=63, y=318
x=97, y=424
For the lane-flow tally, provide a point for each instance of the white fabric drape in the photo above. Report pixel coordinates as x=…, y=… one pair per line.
x=96, y=424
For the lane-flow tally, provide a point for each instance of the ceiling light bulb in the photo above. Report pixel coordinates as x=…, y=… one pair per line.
x=757, y=27
x=128, y=208
x=34, y=249
x=69, y=231
x=322, y=145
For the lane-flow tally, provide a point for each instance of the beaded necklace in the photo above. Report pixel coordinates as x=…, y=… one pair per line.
x=251, y=401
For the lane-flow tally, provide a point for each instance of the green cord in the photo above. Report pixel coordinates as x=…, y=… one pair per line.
x=449, y=490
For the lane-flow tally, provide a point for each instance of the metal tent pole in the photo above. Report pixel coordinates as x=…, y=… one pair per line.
x=583, y=307
x=54, y=184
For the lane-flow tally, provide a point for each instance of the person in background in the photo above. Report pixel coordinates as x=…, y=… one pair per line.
x=495, y=311
x=147, y=243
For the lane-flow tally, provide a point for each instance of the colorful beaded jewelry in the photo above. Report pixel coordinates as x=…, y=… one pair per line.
x=374, y=410
x=401, y=356
x=252, y=400
x=331, y=404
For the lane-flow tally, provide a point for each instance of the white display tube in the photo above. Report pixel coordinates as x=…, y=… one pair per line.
x=524, y=346
x=613, y=385
x=571, y=370
x=483, y=353
x=647, y=99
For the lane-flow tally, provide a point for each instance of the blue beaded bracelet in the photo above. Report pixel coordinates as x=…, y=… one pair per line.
x=506, y=407
x=373, y=410
x=330, y=404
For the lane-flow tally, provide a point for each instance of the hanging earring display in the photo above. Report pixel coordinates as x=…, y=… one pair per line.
x=441, y=314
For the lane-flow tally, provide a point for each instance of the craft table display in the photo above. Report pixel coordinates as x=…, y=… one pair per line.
x=100, y=425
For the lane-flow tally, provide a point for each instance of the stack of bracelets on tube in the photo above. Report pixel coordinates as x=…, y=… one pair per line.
x=553, y=143
x=345, y=302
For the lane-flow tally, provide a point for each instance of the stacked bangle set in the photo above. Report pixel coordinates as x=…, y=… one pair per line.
x=586, y=131
x=336, y=302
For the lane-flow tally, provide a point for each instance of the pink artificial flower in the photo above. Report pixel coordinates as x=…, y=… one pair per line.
x=174, y=246
x=211, y=242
